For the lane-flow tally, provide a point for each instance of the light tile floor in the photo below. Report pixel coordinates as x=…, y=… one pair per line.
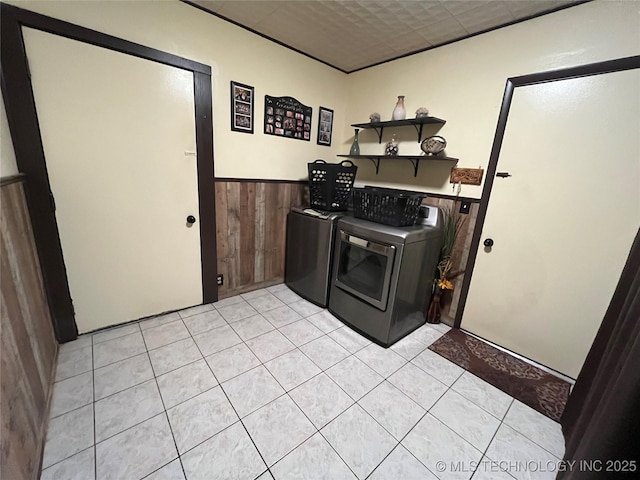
x=266, y=385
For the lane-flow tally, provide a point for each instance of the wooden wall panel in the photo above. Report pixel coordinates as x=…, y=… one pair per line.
x=28, y=346
x=258, y=267
x=221, y=230
x=270, y=229
x=233, y=235
x=460, y=255
x=251, y=221
x=248, y=233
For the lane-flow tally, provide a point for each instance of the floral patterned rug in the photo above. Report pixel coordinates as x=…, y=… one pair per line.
x=540, y=390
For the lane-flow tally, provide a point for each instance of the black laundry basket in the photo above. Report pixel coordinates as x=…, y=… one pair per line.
x=398, y=208
x=330, y=184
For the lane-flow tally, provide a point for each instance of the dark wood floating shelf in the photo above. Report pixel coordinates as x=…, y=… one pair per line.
x=414, y=159
x=417, y=123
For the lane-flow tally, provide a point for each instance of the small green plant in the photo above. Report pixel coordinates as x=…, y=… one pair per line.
x=452, y=224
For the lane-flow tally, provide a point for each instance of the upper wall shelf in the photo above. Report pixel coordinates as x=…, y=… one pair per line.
x=417, y=123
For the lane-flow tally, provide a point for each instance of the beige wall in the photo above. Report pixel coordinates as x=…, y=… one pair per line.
x=8, y=165
x=233, y=54
x=463, y=83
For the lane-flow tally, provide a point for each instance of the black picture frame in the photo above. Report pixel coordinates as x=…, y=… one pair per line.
x=325, y=126
x=242, y=100
x=288, y=118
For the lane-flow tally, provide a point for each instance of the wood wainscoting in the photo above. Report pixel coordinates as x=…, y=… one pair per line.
x=251, y=218
x=28, y=346
x=460, y=253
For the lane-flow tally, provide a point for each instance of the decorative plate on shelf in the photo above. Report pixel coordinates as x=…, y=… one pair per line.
x=433, y=145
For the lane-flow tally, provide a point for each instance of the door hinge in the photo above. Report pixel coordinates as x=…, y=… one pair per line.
x=503, y=174
x=53, y=201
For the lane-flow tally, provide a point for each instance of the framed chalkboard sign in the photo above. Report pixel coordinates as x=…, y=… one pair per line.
x=287, y=117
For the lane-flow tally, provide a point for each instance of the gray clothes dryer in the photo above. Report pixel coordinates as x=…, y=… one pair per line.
x=382, y=276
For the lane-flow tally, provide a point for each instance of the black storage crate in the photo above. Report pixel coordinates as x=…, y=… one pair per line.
x=398, y=208
x=330, y=184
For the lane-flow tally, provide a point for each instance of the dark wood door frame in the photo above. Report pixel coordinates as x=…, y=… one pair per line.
x=609, y=66
x=25, y=134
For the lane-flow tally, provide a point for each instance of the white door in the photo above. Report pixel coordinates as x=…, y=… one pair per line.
x=119, y=142
x=564, y=222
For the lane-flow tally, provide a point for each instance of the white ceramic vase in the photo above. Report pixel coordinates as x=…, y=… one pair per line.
x=399, y=113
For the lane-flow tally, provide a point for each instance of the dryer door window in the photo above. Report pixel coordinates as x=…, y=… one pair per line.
x=364, y=269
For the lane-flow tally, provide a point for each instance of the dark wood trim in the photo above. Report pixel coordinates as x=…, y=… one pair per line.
x=484, y=201
x=257, y=180
x=289, y=47
x=206, y=186
x=25, y=132
x=452, y=197
x=20, y=177
x=609, y=66
x=599, y=68
x=31, y=19
x=266, y=37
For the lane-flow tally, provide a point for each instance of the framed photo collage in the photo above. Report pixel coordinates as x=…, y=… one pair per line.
x=283, y=116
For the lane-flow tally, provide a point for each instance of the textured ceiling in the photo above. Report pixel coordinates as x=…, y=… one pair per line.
x=354, y=34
